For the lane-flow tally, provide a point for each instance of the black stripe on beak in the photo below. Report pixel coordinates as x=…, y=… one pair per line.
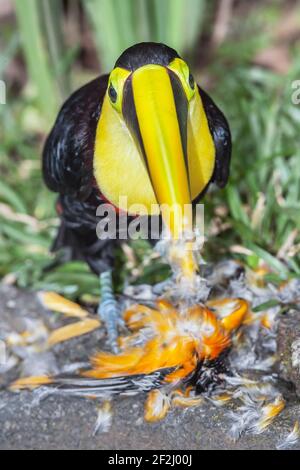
x=130, y=117
x=181, y=104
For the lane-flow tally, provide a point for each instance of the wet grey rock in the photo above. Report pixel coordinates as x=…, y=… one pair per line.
x=288, y=343
x=59, y=422
x=43, y=363
x=68, y=423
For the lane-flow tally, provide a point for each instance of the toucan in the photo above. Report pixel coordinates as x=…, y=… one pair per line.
x=145, y=132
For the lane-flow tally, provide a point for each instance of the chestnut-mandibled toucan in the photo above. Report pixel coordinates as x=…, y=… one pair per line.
x=146, y=131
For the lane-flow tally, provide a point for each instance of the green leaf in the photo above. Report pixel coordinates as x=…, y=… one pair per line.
x=235, y=205
x=105, y=22
x=270, y=260
x=29, y=20
x=11, y=197
x=266, y=305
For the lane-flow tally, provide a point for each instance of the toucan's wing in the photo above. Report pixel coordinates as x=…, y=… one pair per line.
x=220, y=131
x=68, y=152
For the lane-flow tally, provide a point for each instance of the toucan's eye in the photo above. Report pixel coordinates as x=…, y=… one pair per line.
x=112, y=93
x=117, y=79
x=191, y=81
x=181, y=69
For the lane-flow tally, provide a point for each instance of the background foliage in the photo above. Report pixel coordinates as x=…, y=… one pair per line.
x=246, y=54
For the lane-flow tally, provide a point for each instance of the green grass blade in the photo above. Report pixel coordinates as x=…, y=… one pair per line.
x=105, y=23
x=52, y=12
x=28, y=16
x=175, y=36
x=235, y=205
x=160, y=18
x=118, y=24
x=270, y=260
x=194, y=15
x=10, y=196
x=177, y=22
x=145, y=26
x=266, y=305
x=127, y=26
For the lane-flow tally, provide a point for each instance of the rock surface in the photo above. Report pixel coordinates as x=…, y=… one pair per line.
x=288, y=344
x=68, y=423
x=64, y=423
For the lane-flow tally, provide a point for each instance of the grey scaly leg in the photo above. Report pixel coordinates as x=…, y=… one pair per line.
x=109, y=310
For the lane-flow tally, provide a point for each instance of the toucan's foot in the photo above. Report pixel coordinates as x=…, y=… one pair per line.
x=110, y=311
x=110, y=314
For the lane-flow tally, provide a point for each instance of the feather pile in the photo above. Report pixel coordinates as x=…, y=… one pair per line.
x=222, y=350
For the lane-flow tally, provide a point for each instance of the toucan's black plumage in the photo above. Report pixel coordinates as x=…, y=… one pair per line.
x=220, y=131
x=144, y=54
x=68, y=170
x=69, y=152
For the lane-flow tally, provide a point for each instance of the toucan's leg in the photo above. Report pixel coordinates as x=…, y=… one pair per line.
x=109, y=310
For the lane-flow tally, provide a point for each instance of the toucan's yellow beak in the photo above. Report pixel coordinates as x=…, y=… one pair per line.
x=159, y=127
x=154, y=146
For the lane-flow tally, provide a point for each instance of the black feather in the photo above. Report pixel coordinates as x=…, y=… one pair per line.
x=146, y=53
x=124, y=385
x=68, y=152
x=220, y=132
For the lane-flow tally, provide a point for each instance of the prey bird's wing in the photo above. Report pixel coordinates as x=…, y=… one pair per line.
x=220, y=132
x=68, y=152
x=124, y=385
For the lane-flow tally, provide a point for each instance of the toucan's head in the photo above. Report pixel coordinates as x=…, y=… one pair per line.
x=153, y=144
